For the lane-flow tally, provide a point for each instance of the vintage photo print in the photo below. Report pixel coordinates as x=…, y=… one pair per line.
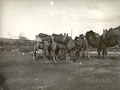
x=59, y=44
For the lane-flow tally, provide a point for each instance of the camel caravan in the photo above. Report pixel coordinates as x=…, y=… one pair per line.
x=77, y=47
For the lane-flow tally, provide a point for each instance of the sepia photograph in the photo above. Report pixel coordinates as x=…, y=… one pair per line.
x=59, y=44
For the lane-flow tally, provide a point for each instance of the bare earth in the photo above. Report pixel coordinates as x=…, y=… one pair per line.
x=22, y=73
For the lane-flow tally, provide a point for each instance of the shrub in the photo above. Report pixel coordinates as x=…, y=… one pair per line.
x=25, y=48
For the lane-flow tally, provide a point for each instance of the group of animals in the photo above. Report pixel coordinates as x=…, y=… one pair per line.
x=52, y=44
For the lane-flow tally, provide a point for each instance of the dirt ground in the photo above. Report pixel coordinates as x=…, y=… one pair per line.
x=22, y=73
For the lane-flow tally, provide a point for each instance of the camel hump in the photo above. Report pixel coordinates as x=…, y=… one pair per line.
x=62, y=39
x=44, y=37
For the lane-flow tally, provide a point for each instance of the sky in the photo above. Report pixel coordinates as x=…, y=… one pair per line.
x=31, y=17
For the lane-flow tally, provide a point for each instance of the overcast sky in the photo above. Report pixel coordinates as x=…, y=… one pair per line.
x=31, y=17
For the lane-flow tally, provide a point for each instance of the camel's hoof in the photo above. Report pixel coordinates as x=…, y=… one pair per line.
x=55, y=62
x=34, y=59
x=90, y=58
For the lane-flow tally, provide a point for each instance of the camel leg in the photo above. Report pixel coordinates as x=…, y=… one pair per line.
x=119, y=44
x=54, y=59
x=104, y=53
x=63, y=53
x=81, y=53
x=54, y=56
x=76, y=55
x=99, y=52
x=87, y=54
x=44, y=52
x=34, y=54
x=45, y=57
x=67, y=57
x=49, y=52
x=57, y=57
